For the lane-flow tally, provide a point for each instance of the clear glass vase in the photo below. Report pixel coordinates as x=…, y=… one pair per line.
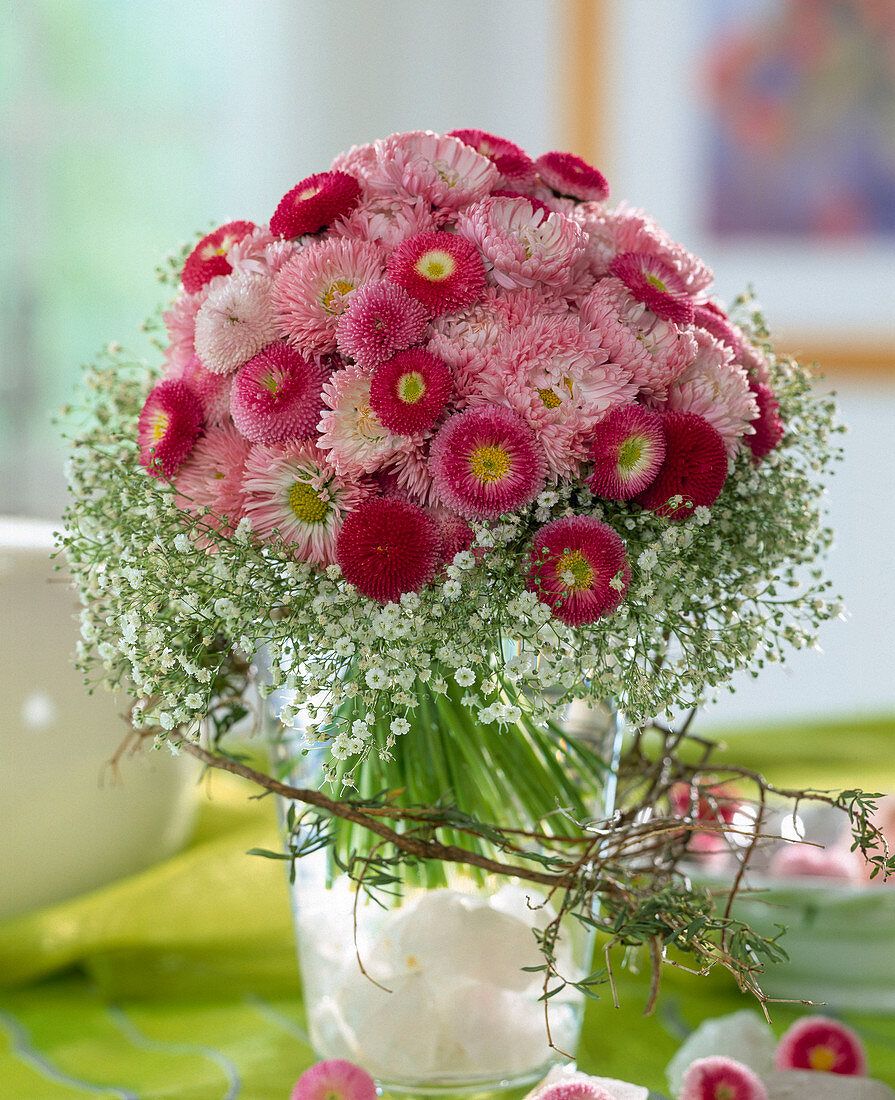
x=422, y=981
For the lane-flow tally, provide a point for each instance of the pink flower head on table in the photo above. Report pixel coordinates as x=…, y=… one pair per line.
x=819, y=1043
x=720, y=1078
x=334, y=1080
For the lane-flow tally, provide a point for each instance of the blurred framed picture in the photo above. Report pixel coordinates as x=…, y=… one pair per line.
x=762, y=133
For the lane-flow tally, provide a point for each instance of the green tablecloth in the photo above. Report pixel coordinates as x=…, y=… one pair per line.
x=181, y=981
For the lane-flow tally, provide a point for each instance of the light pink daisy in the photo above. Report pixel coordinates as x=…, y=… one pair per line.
x=442, y=271
x=277, y=396
x=521, y=246
x=313, y=290
x=212, y=477
x=168, y=426
x=409, y=391
x=557, y=376
x=486, y=462
x=720, y=1078
x=582, y=1089
x=262, y=253
x=515, y=165
x=387, y=220
x=695, y=467
x=388, y=546
x=359, y=161
x=355, y=439
x=180, y=321
x=315, y=202
x=443, y=170
x=407, y=474
x=213, y=390
x=572, y=563
x=235, y=322
x=717, y=389
x=655, y=283
x=335, y=1079
x=381, y=318
x=634, y=230
x=821, y=1044
x=655, y=351
x=293, y=490
x=627, y=450
x=570, y=175
x=209, y=257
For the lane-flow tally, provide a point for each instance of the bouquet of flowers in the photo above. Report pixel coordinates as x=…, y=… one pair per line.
x=456, y=444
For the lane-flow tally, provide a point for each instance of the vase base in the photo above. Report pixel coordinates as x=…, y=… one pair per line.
x=508, y=1088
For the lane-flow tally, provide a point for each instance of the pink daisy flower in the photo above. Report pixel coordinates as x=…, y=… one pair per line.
x=168, y=426
x=634, y=230
x=515, y=165
x=388, y=546
x=768, y=429
x=695, y=467
x=355, y=439
x=235, y=322
x=819, y=1043
x=314, y=203
x=381, y=318
x=575, y=1090
x=409, y=391
x=486, y=462
x=572, y=564
x=443, y=170
x=717, y=389
x=387, y=220
x=291, y=489
x=441, y=270
x=536, y=204
x=521, y=246
x=262, y=253
x=655, y=283
x=314, y=288
x=720, y=1078
x=209, y=257
x=212, y=477
x=180, y=321
x=335, y=1079
x=627, y=450
x=277, y=396
x=359, y=161
x=213, y=390
x=570, y=175
x=715, y=321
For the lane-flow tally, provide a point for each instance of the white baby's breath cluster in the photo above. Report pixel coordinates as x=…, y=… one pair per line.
x=169, y=606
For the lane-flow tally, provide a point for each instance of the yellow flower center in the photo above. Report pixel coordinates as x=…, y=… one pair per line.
x=488, y=464
x=822, y=1058
x=335, y=293
x=160, y=424
x=306, y=504
x=272, y=383
x=655, y=281
x=435, y=265
x=574, y=568
x=308, y=193
x=550, y=399
x=630, y=453
x=411, y=387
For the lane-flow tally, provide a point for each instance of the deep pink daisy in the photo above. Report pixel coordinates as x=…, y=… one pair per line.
x=408, y=391
x=706, y=315
x=656, y=284
x=441, y=270
x=572, y=563
x=570, y=175
x=768, y=426
x=334, y=1080
x=169, y=425
x=819, y=1043
x=695, y=467
x=627, y=450
x=209, y=257
x=513, y=163
x=456, y=534
x=381, y=318
x=487, y=461
x=277, y=396
x=575, y=1090
x=315, y=202
x=719, y=1078
x=388, y=546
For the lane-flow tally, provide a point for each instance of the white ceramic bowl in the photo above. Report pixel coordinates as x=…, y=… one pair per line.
x=68, y=823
